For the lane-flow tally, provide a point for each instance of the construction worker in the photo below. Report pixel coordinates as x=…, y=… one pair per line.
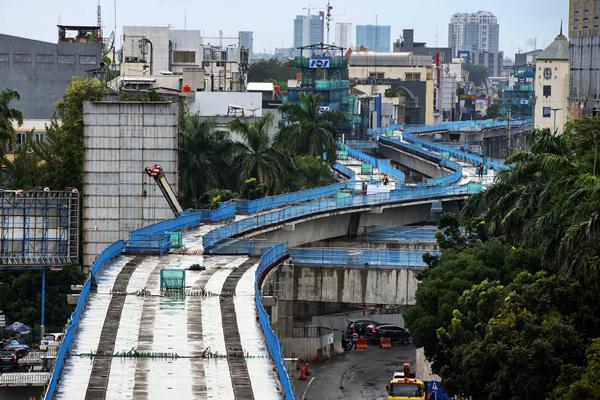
x=385, y=179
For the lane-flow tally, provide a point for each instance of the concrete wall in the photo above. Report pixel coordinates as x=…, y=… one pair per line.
x=426, y=167
x=41, y=71
x=308, y=348
x=345, y=285
x=121, y=139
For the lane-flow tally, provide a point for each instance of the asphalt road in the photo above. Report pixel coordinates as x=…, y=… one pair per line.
x=354, y=375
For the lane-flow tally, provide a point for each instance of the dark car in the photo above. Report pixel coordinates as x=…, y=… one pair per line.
x=9, y=361
x=396, y=333
x=360, y=326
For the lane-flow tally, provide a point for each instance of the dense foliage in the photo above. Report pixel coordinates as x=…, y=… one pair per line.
x=272, y=71
x=7, y=115
x=477, y=73
x=510, y=307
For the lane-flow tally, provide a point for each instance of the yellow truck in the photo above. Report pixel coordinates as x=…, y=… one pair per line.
x=403, y=386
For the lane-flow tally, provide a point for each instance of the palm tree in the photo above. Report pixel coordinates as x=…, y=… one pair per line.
x=205, y=158
x=7, y=116
x=310, y=130
x=259, y=158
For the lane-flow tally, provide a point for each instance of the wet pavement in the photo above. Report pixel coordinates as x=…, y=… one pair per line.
x=355, y=374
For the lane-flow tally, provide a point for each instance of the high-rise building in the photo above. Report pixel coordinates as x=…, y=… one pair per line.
x=246, y=41
x=478, y=31
x=308, y=29
x=343, y=34
x=374, y=37
x=584, y=34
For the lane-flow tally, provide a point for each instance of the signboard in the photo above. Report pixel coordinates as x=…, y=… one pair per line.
x=319, y=63
x=39, y=228
x=324, y=109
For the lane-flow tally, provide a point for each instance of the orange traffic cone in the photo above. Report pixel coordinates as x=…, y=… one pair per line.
x=302, y=376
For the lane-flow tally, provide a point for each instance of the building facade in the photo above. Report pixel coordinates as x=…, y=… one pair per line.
x=308, y=30
x=552, y=86
x=407, y=44
x=492, y=61
x=246, y=39
x=397, y=75
x=374, y=37
x=343, y=34
x=477, y=31
x=41, y=71
x=584, y=34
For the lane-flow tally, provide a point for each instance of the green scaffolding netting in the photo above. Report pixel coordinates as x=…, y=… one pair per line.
x=172, y=279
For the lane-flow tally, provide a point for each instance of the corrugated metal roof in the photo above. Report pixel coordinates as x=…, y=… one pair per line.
x=558, y=50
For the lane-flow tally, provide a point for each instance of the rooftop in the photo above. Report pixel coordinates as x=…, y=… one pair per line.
x=558, y=49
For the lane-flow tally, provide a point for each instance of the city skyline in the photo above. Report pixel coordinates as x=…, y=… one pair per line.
x=518, y=30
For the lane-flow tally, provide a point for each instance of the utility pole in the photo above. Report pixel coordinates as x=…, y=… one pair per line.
x=509, y=138
x=329, y=8
x=554, y=110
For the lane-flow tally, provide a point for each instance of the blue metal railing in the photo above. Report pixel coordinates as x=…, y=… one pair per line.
x=342, y=169
x=383, y=165
x=358, y=257
x=268, y=203
x=112, y=251
x=320, y=206
x=269, y=259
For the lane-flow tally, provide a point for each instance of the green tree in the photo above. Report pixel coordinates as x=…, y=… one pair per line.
x=25, y=170
x=62, y=152
x=310, y=130
x=206, y=154
x=8, y=114
x=477, y=73
x=271, y=70
x=259, y=158
x=581, y=382
x=493, y=110
x=309, y=172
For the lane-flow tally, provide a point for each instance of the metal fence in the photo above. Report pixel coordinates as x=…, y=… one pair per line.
x=267, y=203
x=358, y=257
x=383, y=165
x=320, y=206
x=270, y=258
x=112, y=251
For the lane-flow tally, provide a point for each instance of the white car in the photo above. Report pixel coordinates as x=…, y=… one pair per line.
x=51, y=340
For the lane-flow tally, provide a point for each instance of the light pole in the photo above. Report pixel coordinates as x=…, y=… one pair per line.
x=554, y=110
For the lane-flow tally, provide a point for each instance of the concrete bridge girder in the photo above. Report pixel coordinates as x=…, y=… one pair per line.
x=339, y=224
x=425, y=167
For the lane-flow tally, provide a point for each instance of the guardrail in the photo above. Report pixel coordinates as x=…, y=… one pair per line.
x=272, y=257
x=148, y=243
x=108, y=254
x=383, y=165
x=342, y=169
x=320, y=206
x=408, y=131
x=267, y=203
x=358, y=257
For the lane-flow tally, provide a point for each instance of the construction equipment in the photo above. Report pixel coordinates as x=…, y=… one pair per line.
x=404, y=386
x=158, y=174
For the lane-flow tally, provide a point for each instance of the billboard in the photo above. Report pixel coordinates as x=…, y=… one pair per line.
x=39, y=228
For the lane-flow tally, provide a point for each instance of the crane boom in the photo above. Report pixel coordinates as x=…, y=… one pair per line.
x=158, y=174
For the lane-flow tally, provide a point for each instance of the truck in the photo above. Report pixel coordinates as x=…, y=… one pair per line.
x=404, y=386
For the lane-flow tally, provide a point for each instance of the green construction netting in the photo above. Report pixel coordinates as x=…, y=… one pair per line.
x=172, y=279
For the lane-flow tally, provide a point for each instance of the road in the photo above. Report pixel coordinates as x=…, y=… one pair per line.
x=355, y=375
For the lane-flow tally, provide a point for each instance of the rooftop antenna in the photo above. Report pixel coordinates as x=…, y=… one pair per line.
x=309, y=8
x=329, y=8
x=99, y=17
x=185, y=19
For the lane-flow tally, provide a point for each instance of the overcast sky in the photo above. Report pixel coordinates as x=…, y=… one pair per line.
x=521, y=21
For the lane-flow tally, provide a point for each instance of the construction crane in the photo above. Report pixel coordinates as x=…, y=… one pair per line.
x=158, y=174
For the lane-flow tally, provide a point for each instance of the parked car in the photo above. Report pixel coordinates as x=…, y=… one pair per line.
x=360, y=326
x=51, y=340
x=396, y=333
x=9, y=359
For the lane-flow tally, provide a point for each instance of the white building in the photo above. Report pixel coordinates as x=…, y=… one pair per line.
x=343, y=34
x=477, y=31
x=552, y=86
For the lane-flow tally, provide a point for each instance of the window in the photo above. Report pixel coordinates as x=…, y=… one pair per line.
x=66, y=59
x=44, y=58
x=22, y=58
x=87, y=60
x=547, y=112
x=3, y=57
x=547, y=90
x=413, y=77
x=376, y=75
x=184, y=56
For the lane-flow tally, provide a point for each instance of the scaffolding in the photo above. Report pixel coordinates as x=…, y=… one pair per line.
x=39, y=228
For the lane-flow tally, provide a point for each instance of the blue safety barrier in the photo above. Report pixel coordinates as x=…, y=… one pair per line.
x=148, y=243
x=358, y=257
x=268, y=203
x=347, y=172
x=268, y=260
x=320, y=206
x=112, y=251
x=383, y=165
